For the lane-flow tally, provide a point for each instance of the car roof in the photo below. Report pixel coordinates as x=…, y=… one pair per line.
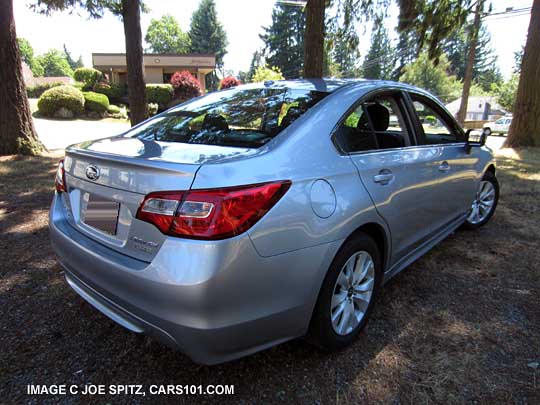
x=332, y=84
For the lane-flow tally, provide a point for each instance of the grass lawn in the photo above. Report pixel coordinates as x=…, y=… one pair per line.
x=460, y=325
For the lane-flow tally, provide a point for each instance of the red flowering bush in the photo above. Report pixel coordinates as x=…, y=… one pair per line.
x=185, y=86
x=228, y=82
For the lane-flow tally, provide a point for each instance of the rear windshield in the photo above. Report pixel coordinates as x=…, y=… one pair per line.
x=246, y=118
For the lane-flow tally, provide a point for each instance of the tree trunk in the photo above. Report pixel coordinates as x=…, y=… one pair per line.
x=131, y=13
x=467, y=79
x=525, y=127
x=17, y=133
x=314, y=39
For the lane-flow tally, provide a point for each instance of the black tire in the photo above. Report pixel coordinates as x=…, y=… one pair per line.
x=487, y=131
x=488, y=176
x=321, y=331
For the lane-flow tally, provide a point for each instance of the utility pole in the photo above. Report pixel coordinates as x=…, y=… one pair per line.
x=467, y=79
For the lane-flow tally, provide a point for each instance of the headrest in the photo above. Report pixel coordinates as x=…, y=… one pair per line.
x=380, y=118
x=215, y=122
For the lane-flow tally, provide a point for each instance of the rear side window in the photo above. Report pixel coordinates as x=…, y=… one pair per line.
x=375, y=124
x=246, y=118
x=437, y=127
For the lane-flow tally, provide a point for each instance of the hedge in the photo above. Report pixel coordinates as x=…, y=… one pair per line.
x=37, y=90
x=114, y=92
x=54, y=99
x=95, y=102
x=88, y=76
x=160, y=94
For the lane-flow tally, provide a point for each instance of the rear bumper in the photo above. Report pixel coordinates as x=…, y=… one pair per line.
x=214, y=301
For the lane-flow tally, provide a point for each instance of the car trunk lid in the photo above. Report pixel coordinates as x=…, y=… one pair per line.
x=108, y=179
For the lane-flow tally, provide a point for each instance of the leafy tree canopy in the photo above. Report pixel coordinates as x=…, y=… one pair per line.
x=164, y=35
x=54, y=63
x=27, y=55
x=505, y=92
x=434, y=78
x=264, y=73
x=432, y=21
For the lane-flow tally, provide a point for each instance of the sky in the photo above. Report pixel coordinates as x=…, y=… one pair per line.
x=242, y=20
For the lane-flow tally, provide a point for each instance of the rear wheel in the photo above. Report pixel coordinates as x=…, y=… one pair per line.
x=347, y=294
x=485, y=202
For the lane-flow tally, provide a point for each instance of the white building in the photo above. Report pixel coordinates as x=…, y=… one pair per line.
x=479, y=108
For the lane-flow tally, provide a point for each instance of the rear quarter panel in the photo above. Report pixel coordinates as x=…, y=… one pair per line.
x=303, y=153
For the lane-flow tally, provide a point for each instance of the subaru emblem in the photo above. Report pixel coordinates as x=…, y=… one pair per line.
x=92, y=172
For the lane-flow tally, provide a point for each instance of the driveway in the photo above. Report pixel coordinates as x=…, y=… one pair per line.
x=58, y=134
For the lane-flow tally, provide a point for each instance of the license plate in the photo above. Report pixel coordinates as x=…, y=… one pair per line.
x=102, y=214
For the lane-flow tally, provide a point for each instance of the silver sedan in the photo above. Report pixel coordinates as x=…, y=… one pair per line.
x=267, y=212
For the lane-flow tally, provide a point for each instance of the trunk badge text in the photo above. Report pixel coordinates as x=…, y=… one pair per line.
x=143, y=245
x=92, y=172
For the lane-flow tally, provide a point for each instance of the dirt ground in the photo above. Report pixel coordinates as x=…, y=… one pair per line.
x=460, y=325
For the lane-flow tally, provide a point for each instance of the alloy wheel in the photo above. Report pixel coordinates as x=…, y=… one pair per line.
x=352, y=292
x=483, y=203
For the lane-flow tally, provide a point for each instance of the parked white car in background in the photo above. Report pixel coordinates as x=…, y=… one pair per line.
x=501, y=126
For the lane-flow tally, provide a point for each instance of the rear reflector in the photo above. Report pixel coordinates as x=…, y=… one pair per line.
x=60, y=178
x=213, y=213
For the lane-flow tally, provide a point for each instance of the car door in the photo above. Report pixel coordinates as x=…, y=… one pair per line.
x=455, y=163
x=398, y=175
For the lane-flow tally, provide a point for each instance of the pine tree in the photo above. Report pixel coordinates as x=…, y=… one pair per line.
x=406, y=52
x=74, y=64
x=380, y=60
x=344, y=54
x=284, y=40
x=257, y=60
x=485, y=69
x=206, y=32
x=208, y=36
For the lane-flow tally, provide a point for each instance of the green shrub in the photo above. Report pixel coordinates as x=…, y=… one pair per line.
x=95, y=102
x=160, y=94
x=114, y=92
x=430, y=119
x=37, y=90
x=113, y=109
x=152, y=109
x=54, y=99
x=118, y=112
x=88, y=76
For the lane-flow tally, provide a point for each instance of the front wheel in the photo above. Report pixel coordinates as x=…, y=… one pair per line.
x=485, y=202
x=347, y=294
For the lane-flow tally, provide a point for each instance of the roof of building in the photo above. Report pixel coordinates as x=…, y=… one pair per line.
x=34, y=81
x=476, y=104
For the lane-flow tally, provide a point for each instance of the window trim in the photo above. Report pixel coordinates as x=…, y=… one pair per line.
x=443, y=113
x=401, y=100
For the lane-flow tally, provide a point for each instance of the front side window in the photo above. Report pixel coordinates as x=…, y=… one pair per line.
x=246, y=118
x=375, y=124
x=500, y=121
x=437, y=128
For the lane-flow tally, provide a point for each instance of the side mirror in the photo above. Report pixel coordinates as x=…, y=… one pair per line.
x=476, y=137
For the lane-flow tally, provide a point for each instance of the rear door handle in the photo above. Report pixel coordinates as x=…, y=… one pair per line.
x=384, y=177
x=444, y=167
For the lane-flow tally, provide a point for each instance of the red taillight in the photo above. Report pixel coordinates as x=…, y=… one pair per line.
x=210, y=214
x=60, y=178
